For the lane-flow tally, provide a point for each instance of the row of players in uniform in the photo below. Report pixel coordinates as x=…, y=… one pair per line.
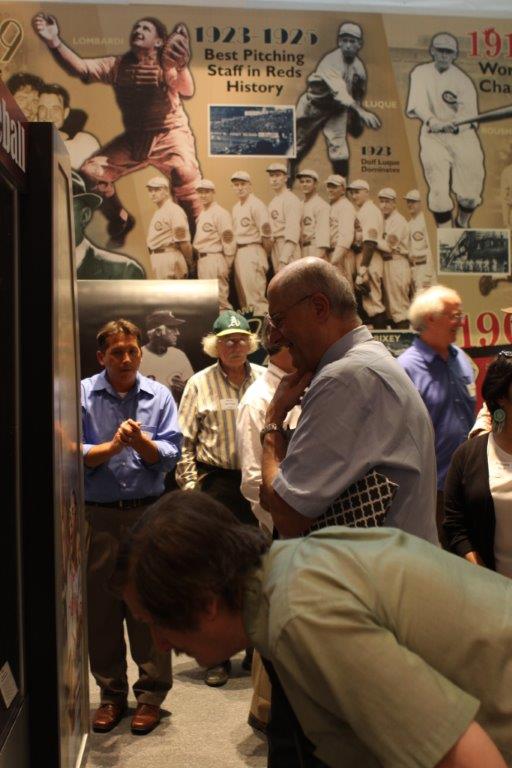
x=385, y=257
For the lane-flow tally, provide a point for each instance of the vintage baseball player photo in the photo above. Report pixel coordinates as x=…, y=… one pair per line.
x=251, y=129
x=173, y=316
x=416, y=107
x=474, y=252
x=332, y=103
x=445, y=99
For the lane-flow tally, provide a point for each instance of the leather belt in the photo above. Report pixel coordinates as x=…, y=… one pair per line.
x=306, y=242
x=418, y=262
x=386, y=256
x=160, y=250
x=123, y=503
x=246, y=245
x=213, y=253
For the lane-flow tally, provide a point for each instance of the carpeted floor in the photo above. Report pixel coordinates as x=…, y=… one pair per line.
x=202, y=727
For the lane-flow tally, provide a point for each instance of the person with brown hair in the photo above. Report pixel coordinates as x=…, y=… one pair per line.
x=131, y=439
x=344, y=619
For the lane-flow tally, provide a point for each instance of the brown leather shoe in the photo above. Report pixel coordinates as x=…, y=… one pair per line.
x=146, y=717
x=107, y=716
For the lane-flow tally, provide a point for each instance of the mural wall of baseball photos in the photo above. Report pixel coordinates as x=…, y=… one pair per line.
x=415, y=112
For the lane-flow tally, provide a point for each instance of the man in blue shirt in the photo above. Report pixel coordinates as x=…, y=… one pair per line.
x=131, y=439
x=442, y=373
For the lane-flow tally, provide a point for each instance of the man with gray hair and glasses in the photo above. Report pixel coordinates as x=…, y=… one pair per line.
x=442, y=373
x=360, y=412
x=361, y=418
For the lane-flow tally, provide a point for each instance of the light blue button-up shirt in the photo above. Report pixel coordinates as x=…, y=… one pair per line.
x=126, y=475
x=362, y=412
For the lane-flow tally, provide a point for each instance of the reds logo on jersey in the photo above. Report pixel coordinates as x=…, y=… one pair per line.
x=163, y=224
x=418, y=236
x=245, y=222
x=208, y=227
x=307, y=220
x=274, y=214
x=450, y=98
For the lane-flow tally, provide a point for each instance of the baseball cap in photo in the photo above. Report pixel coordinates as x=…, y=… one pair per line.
x=359, y=184
x=156, y=182
x=413, y=195
x=80, y=191
x=445, y=42
x=336, y=180
x=240, y=176
x=162, y=317
x=230, y=321
x=277, y=167
x=348, y=28
x=205, y=184
x=387, y=193
x=307, y=172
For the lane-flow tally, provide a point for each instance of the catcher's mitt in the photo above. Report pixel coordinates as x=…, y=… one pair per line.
x=176, y=50
x=486, y=284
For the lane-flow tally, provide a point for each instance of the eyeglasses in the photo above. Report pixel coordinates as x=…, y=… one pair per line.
x=457, y=316
x=276, y=319
x=242, y=341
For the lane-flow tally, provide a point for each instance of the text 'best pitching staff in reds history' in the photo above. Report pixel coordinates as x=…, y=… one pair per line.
x=149, y=82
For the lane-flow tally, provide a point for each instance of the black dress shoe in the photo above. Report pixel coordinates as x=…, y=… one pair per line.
x=107, y=716
x=247, y=660
x=256, y=723
x=218, y=675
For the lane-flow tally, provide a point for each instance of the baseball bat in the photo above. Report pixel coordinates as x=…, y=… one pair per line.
x=487, y=117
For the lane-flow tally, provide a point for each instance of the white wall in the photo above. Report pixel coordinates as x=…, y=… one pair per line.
x=469, y=8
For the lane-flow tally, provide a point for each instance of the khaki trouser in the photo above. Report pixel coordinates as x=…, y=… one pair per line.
x=260, y=702
x=251, y=265
x=213, y=266
x=169, y=265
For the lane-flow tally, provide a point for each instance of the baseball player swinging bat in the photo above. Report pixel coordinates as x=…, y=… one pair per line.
x=502, y=113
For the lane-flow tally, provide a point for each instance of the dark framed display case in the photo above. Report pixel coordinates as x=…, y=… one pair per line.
x=51, y=465
x=13, y=689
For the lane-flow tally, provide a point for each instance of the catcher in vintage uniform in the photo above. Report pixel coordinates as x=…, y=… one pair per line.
x=148, y=81
x=332, y=102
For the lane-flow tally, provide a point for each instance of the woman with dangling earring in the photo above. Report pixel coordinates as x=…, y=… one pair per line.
x=478, y=489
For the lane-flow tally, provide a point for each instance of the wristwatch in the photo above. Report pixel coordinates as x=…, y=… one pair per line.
x=272, y=427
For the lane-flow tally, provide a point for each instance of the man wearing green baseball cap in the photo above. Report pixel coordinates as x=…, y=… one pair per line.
x=207, y=416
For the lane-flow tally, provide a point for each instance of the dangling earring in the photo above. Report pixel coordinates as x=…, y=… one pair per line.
x=498, y=420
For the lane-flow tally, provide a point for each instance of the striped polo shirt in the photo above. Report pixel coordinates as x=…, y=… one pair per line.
x=207, y=417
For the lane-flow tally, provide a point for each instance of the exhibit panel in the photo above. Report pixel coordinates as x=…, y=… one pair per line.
x=13, y=689
x=334, y=92
x=54, y=533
